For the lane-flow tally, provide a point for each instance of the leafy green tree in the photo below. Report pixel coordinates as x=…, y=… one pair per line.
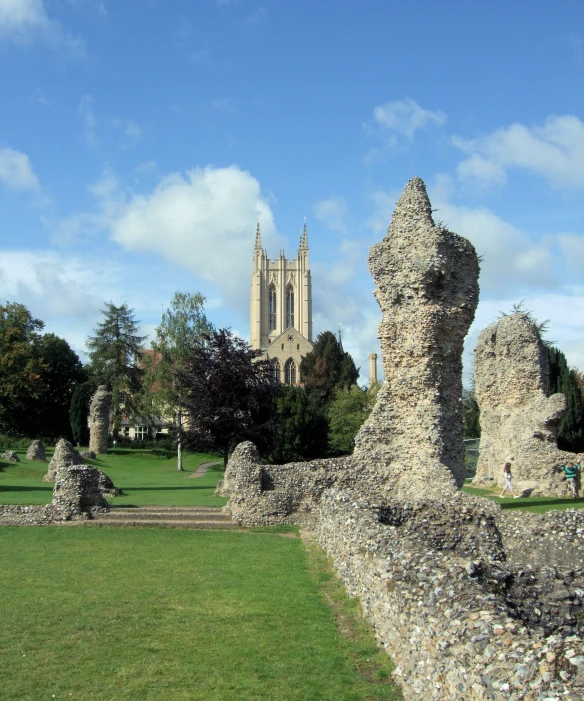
x=470, y=414
x=566, y=381
x=347, y=413
x=61, y=372
x=228, y=395
x=328, y=367
x=21, y=367
x=114, y=353
x=302, y=429
x=182, y=326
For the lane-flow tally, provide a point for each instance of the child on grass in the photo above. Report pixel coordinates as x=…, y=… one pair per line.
x=508, y=477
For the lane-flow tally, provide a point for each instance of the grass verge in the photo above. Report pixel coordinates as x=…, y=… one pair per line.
x=154, y=614
x=148, y=478
x=536, y=504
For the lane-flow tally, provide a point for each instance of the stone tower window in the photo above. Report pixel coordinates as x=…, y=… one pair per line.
x=276, y=370
x=272, y=308
x=290, y=372
x=289, y=306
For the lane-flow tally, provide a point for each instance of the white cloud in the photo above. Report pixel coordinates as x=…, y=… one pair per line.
x=223, y=105
x=23, y=22
x=332, y=213
x=146, y=167
x=87, y=114
x=16, y=171
x=131, y=132
x=406, y=117
x=554, y=151
x=204, y=221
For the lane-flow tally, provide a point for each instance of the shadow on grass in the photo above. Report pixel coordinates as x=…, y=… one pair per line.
x=8, y=488
x=165, y=489
x=534, y=502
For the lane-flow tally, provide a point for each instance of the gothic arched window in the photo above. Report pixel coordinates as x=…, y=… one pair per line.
x=271, y=308
x=276, y=371
x=290, y=372
x=289, y=306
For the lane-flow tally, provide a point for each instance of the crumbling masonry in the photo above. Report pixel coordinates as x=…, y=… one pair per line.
x=518, y=421
x=472, y=604
x=99, y=418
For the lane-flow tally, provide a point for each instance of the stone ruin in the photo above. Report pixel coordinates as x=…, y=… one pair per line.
x=64, y=456
x=99, y=420
x=36, y=451
x=519, y=422
x=426, y=283
x=77, y=495
x=10, y=455
x=77, y=492
x=472, y=602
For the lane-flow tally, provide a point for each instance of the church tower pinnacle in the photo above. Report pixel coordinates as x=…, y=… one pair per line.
x=281, y=308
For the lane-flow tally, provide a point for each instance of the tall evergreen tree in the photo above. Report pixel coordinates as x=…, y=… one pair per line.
x=566, y=381
x=114, y=353
x=470, y=414
x=328, y=367
x=79, y=411
x=182, y=326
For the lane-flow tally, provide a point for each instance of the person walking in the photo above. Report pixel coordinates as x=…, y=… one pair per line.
x=571, y=470
x=508, y=477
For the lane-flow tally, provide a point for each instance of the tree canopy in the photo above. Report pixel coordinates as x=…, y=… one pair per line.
x=114, y=353
x=38, y=374
x=328, y=367
x=347, y=413
x=228, y=394
x=181, y=328
x=566, y=381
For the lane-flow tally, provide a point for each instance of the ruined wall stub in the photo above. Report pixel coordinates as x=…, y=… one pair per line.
x=517, y=419
x=426, y=283
x=99, y=417
x=64, y=456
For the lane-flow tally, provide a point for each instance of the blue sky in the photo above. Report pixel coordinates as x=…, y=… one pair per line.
x=141, y=141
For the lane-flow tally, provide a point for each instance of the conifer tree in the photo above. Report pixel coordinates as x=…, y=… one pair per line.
x=114, y=353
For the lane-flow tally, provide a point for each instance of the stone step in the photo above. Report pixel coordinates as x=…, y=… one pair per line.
x=165, y=516
x=150, y=523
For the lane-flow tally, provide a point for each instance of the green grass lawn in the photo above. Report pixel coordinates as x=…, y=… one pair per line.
x=537, y=504
x=107, y=614
x=148, y=477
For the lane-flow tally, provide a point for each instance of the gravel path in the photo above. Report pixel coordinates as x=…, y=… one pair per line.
x=202, y=469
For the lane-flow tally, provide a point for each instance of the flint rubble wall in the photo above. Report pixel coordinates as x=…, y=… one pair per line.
x=518, y=421
x=459, y=621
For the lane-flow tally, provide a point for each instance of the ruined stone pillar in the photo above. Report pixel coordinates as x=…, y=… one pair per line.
x=372, y=369
x=99, y=418
x=518, y=421
x=426, y=283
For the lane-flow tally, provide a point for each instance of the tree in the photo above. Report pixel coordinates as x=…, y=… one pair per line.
x=347, y=413
x=79, y=411
x=20, y=367
x=182, y=326
x=301, y=432
x=470, y=414
x=114, y=353
x=60, y=373
x=328, y=367
x=228, y=395
x=566, y=381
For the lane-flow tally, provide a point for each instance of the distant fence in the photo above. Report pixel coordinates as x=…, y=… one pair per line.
x=471, y=456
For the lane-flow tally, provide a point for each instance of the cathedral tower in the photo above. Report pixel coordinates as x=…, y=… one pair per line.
x=281, y=308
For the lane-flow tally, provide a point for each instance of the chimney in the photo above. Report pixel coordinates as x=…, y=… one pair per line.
x=372, y=368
